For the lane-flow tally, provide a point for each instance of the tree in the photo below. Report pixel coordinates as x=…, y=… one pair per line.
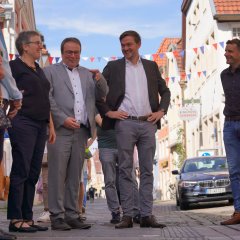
x=179, y=149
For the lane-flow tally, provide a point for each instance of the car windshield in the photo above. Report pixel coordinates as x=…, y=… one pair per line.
x=205, y=164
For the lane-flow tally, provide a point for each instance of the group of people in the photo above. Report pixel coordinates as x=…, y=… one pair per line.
x=59, y=103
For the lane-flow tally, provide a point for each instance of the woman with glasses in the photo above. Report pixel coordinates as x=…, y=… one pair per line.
x=28, y=132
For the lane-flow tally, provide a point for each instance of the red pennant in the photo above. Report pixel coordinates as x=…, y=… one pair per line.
x=175, y=53
x=113, y=58
x=195, y=50
x=215, y=45
x=154, y=56
x=183, y=75
x=10, y=56
x=50, y=59
x=199, y=74
x=167, y=80
x=92, y=59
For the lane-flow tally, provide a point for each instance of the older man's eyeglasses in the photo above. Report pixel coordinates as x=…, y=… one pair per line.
x=70, y=53
x=36, y=43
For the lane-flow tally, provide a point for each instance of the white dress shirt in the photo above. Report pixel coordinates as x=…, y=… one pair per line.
x=79, y=104
x=136, y=99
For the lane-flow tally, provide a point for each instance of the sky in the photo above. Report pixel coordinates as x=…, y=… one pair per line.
x=99, y=23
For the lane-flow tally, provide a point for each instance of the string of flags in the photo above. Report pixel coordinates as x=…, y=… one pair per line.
x=170, y=55
x=161, y=55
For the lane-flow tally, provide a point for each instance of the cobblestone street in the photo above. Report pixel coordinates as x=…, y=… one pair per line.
x=200, y=222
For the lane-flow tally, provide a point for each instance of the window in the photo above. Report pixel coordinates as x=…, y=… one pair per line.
x=236, y=32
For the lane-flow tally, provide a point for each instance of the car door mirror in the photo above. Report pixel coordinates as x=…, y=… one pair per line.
x=175, y=172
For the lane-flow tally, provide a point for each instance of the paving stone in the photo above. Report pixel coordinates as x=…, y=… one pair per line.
x=201, y=222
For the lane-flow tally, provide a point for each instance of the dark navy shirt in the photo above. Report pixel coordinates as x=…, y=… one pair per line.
x=106, y=138
x=35, y=87
x=231, y=88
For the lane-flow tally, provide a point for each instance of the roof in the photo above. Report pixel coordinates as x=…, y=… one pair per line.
x=227, y=7
x=164, y=47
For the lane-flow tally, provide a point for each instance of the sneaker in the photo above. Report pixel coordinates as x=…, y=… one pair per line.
x=115, y=218
x=235, y=219
x=44, y=217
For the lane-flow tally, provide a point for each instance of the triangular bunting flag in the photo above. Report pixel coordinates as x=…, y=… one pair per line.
x=199, y=73
x=92, y=59
x=195, y=50
x=208, y=47
x=113, y=58
x=202, y=49
x=175, y=53
x=221, y=44
x=16, y=55
x=50, y=59
x=173, y=79
x=106, y=58
x=167, y=80
x=183, y=75
x=161, y=55
x=57, y=59
x=148, y=56
x=189, y=76
x=215, y=45
x=182, y=53
x=85, y=58
x=10, y=56
x=204, y=73
x=169, y=55
x=99, y=58
x=155, y=56
x=44, y=59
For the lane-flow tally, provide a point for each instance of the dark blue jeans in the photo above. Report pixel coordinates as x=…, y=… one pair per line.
x=28, y=139
x=231, y=136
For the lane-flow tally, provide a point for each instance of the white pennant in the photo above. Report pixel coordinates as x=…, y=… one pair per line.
x=85, y=58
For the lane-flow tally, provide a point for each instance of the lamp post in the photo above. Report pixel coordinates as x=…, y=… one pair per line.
x=183, y=85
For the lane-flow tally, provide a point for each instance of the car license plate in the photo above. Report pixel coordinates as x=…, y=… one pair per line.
x=215, y=190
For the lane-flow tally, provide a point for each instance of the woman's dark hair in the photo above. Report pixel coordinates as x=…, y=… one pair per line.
x=24, y=38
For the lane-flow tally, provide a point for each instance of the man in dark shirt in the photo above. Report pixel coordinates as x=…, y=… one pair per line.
x=231, y=133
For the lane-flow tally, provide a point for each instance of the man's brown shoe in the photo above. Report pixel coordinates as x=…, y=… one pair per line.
x=235, y=219
x=150, y=221
x=126, y=222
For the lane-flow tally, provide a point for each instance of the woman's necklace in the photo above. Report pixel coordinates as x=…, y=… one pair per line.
x=30, y=66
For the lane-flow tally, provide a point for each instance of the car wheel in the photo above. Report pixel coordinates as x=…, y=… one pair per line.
x=183, y=205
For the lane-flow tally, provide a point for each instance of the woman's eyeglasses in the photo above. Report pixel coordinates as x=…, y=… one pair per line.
x=37, y=43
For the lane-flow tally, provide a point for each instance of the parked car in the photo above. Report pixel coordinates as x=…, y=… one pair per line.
x=202, y=179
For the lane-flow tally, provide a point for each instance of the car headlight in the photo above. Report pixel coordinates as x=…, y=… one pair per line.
x=188, y=184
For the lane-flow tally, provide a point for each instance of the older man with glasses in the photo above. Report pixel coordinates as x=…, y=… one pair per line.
x=72, y=99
